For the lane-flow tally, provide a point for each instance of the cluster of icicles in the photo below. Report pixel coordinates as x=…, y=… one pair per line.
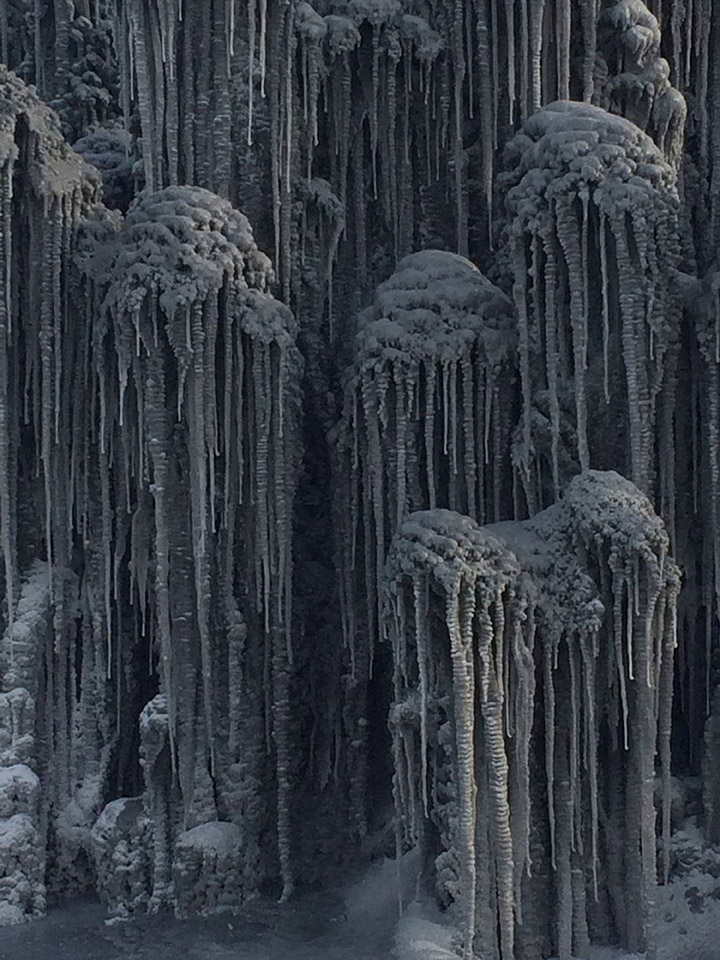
x=592, y=206
x=202, y=397
x=181, y=469
x=574, y=610
x=593, y=211
x=152, y=383
x=389, y=86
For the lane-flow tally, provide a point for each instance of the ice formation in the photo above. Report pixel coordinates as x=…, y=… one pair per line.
x=593, y=212
x=424, y=422
x=533, y=666
x=110, y=151
x=637, y=84
x=121, y=857
x=206, y=869
x=198, y=400
x=166, y=419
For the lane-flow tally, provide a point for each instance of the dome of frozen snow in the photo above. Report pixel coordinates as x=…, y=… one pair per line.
x=109, y=150
x=567, y=146
x=451, y=546
x=435, y=306
x=180, y=243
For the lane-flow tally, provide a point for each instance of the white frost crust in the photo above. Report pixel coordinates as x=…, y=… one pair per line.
x=629, y=33
x=576, y=177
x=430, y=367
x=23, y=643
x=181, y=243
x=217, y=838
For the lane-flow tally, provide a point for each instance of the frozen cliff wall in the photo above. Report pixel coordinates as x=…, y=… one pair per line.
x=149, y=440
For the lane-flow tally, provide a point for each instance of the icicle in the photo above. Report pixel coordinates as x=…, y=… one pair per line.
x=635, y=400
x=630, y=608
x=6, y=508
x=573, y=253
x=563, y=875
x=488, y=109
x=537, y=11
x=511, y=45
x=453, y=386
x=241, y=418
x=461, y=211
x=104, y=469
x=230, y=42
x=495, y=71
x=574, y=735
x=524, y=64
x=668, y=624
x=588, y=650
x=202, y=325
x=251, y=67
x=563, y=49
x=520, y=298
x=617, y=590
x=489, y=392
x=522, y=652
x=588, y=16
x=281, y=723
x=460, y=606
x=289, y=109
x=470, y=473
x=263, y=45
x=46, y=368
x=410, y=790
x=375, y=77
x=4, y=36
x=713, y=451
x=551, y=358
x=492, y=709
x=549, y=698
x=429, y=421
x=605, y=282
x=421, y=643
x=498, y=628
x=344, y=127
x=156, y=426
x=262, y=574
x=401, y=424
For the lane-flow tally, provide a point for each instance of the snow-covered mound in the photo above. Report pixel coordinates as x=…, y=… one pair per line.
x=179, y=244
x=566, y=145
